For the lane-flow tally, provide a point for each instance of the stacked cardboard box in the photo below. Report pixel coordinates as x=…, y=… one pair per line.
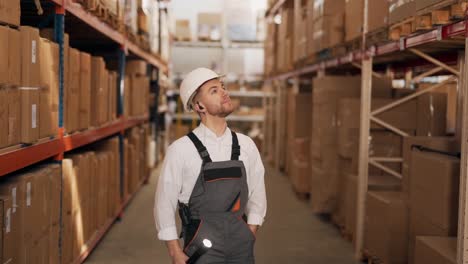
x=300, y=29
x=433, y=197
x=386, y=226
x=136, y=169
x=209, y=26
x=285, y=38
x=270, y=49
x=450, y=90
x=91, y=195
x=49, y=67
x=182, y=30
x=10, y=12
x=354, y=16
x=103, y=93
x=435, y=250
x=328, y=92
x=298, y=143
x=327, y=24
x=138, y=89
x=31, y=201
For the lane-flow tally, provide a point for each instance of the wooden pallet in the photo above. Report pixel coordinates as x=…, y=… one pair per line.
x=441, y=13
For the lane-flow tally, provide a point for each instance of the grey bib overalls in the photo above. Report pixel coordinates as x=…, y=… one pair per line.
x=216, y=209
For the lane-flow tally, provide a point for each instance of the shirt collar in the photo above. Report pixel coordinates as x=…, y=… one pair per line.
x=208, y=134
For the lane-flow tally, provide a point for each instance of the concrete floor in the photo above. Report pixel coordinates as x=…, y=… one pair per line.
x=290, y=234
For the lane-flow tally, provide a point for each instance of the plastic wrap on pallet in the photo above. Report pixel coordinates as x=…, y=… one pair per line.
x=400, y=10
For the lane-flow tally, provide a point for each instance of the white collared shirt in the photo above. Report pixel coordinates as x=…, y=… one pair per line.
x=181, y=169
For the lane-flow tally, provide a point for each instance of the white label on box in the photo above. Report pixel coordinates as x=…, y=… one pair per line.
x=33, y=51
x=13, y=196
x=33, y=116
x=8, y=221
x=28, y=194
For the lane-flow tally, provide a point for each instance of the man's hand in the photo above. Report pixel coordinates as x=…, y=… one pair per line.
x=254, y=229
x=178, y=256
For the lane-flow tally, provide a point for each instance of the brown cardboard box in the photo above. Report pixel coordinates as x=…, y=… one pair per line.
x=10, y=12
x=433, y=196
x=104, y=98
x=4, y=50
x=434, y=188
x=209, y=26
x=328, y=31
x=3, y=118
x=451, y=91
x=8, y=231
x=375, y=183
x=300, y=171
x=447, y=144
x=14, y=55
x=30, y=118
x=136, y=67
x=49, y=88
x=30, y=57
x=300, y=29
x=328, y=8
x=54, y=237
x=377, y=17
x=85, y=91
x=401, y=10
x=432, y=114
x=112, y=96
x=98, y=81
x=73, y=92
x=14, y=116
x=182, y=30
x=13, y=191
x=435, y=250
x=386, y=227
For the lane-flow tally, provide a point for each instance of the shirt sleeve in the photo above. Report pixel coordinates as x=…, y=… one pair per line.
x=167, y=194
x=257, y=204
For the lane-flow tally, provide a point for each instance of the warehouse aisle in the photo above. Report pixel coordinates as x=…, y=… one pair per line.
x=291, y=234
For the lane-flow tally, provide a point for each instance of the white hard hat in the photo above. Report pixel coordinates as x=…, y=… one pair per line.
x=192, y=82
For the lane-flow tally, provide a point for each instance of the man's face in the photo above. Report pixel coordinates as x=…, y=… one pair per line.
x=214, y=98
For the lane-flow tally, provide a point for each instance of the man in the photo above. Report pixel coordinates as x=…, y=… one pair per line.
x=215, y=176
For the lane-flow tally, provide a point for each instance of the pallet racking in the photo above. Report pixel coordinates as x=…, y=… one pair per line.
x=439, y=49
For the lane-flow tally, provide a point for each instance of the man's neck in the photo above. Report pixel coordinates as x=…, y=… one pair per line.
x=216, y=124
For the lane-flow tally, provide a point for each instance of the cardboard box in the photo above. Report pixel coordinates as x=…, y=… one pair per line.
x=8, y=231
x=446, y=144
x=49, y=67
x=112, y=112
x=13, y=191
x=375, y=183
x=73, y=92
x=54, y=237
x=4, y=51
x=401, y=10
x=85, y=91
x=434, y=188
x=300, y=171
x=377, y=17
x=10, y=12
x=421, y=4
x=14, y=116
x=209, y=26
x=300, y=27
x=30, y=74
x=136, y=68
x=451, y=91
x=3, y=118
x=328, y=8
x=14, y=53
x=433, y=196
x=98, y=84
x=436, y=250
x=182, y=30
x=328, y=31
x=105, y=98
x=386, y=227
x=30, y=118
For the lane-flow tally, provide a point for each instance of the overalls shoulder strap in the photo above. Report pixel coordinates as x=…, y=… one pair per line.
x=235, y=147
x=200, y=148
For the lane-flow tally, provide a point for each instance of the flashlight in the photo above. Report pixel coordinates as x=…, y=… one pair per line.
x=200, y=251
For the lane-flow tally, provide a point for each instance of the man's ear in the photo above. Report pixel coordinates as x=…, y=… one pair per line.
x=199, y=107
